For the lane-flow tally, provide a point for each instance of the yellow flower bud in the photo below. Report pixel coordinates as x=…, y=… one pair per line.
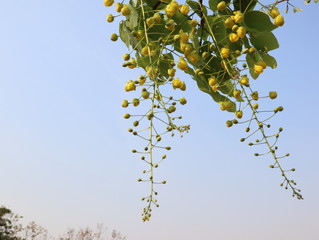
x=170, y=25
x=225, y=52
x=262, y=63
x=229, y=23
x=110, y=18
x=233, y=37
x=279, y=20
x=212, y=81
x=157, y=18
x=150, y=21
x=258, y=69
x=182, y=64
x=114, y=37
x=244, y=81
x=241, y=32
x=239, y=114
x=221, y=6
x=130, y=86
x=183, y=87
x=125, y=10
x=108, y=3
x=193, y=57
x=239, y=17
x=176, y=83
x=145, y=51
x=171, y=72
x=183, y=36
x=274, y=12
x=184, y=9
x=141, y=80
x=118, y=7
x=237, y=93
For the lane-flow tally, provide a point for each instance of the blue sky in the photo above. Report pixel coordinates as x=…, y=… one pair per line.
x=65, y=150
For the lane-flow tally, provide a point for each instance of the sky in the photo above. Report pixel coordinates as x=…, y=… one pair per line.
x=65, y=153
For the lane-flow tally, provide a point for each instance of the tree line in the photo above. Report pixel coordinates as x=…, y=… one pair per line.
x=11, y=228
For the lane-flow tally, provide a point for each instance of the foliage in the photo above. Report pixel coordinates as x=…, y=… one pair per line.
x=221, y=45
x=8, y=224
x=12, y=229
x=100, y=233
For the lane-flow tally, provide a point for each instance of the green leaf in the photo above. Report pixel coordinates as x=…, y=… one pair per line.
x=219, y=30
x=214, y=66
x=127, y=38
x=164, y=66
x=124, y=34
x=132, y=18
x=145, y=61
x=203, y=85
x=151, y=4
x=244, y=5
x=133, y=3
x=251, y=59
x=265, y=41
x=233, y=109
x=245, y=42
x=157, y=31
x=227, y=88
x=256, y=21
x=195, y=39
x=236, y=46
x=182, y=22
x=201, y=81
x=177, y=47
x=269, y=60
x=204, y=31
x=196, y=7
x=213, y=4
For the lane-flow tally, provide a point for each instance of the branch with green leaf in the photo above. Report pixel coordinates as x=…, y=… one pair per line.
x=221, y=45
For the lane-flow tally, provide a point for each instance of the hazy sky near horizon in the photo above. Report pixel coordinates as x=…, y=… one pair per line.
x=65, y=158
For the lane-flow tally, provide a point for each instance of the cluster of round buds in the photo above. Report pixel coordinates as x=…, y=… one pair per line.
x=130, y=64
x=177, y=83
x=233, y=23
x=171, y=8
x=155, y=19
x=186, y=47
x=130, y=86
x=212, y=81
x=279, y=19
x=164, y=38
